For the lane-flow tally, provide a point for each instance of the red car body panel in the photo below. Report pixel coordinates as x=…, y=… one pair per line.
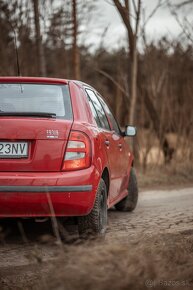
x=36, y=185
x=68, y=203
x=34, y=132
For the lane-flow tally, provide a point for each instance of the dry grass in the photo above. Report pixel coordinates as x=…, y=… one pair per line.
x=138, y=264
x=165, y=176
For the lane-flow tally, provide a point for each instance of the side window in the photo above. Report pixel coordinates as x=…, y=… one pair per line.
x=94, y=113
x=114, y=123
x=93, y=101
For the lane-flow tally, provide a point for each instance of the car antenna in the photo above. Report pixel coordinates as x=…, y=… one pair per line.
x=16, y=52
x=16, y=49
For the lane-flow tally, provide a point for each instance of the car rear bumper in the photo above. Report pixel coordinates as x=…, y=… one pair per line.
x=47, y=194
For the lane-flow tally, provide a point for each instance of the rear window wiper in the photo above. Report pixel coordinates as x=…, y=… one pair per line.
x=29, y=114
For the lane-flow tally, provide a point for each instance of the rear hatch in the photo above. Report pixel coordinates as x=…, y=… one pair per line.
x=35, y=122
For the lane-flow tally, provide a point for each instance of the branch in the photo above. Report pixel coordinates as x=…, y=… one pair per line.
x=159, y=4
x=146, y=20
x=113, y=81
x=173, y=12
x=134, y=7
x=124, y=12
x=137, y=17
x=103, y=35
x=184, y=3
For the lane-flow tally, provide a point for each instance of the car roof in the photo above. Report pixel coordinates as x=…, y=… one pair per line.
x=16, y=79
x=44, y=80
x=85, y=85
x=33, y=80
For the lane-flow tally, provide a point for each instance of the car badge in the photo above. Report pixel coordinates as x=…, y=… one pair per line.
x=52, y=134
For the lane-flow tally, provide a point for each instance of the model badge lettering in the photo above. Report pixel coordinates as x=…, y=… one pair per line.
x=52, y=134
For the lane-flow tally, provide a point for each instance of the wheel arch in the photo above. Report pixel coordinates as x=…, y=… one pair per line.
x=105, y=176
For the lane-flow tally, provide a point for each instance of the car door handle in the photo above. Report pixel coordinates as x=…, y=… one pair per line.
x=107, y=142
x=120, y=145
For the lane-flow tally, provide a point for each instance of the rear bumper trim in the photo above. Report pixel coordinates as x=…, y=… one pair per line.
x=79, y=188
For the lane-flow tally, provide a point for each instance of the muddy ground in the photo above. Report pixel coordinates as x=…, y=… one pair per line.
x=149, y=248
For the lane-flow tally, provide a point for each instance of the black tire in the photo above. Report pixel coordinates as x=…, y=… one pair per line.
x=95, y=222
x=130, y=201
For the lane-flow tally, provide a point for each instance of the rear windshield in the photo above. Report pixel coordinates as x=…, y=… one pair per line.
x=36, y=98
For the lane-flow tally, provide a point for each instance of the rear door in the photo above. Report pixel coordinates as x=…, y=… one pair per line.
x=111, y=144
x=122, y=151
x=35, y=121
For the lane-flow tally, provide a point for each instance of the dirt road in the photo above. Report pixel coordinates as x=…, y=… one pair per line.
x=149, y=248
x=157, y=212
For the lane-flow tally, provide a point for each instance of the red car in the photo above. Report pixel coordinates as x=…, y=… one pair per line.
x=62, y=153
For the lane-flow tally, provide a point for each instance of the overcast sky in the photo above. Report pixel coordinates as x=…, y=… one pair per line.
x=106, y=15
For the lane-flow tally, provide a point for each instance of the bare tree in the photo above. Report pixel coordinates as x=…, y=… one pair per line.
x=75, y=50
x=153, y=88
x=183, y=22
x=40, y=50
x=132, y=31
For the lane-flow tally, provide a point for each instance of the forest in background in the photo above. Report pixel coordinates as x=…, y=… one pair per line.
x=150, y=87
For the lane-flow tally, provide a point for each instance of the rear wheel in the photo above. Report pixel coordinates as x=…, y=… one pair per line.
x=95, y=222
x=130, y=201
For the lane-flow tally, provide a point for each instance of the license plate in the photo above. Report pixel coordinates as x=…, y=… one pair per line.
x=13, y=149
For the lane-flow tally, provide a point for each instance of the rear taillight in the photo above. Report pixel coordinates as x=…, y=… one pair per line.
x=78, y=152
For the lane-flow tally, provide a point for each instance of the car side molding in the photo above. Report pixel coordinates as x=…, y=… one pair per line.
x=78, y=188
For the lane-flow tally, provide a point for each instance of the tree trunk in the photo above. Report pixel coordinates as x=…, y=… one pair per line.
x=133, y=85
x=39, y=46
x=124, y=8
x=75, y=50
